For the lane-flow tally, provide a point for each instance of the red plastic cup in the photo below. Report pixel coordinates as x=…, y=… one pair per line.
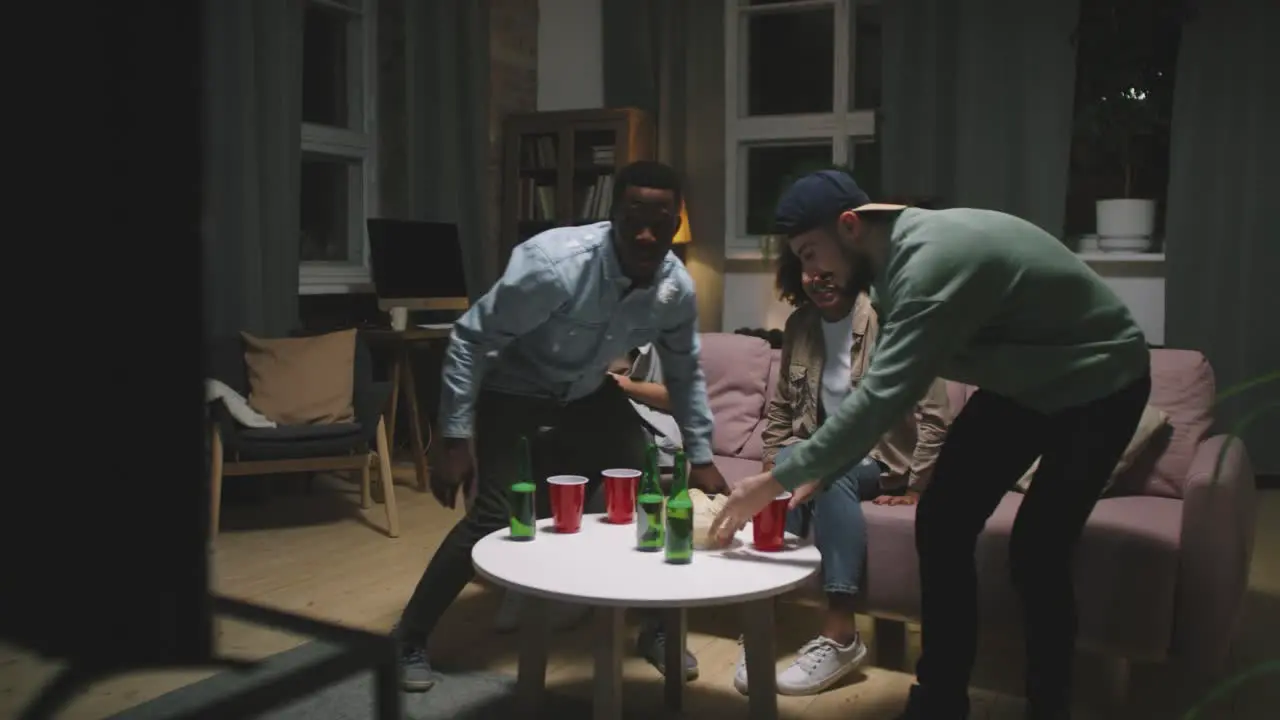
x=769, y=526
x=620, y=486
x=568, y=493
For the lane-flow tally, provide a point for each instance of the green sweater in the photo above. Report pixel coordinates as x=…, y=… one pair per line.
x=982, y=298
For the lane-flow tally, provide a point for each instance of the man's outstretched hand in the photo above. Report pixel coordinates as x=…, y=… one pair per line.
x=749, y=497
x=457, y=471
x=708, y=479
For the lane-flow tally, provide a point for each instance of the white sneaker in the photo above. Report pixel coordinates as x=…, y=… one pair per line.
x=740, y=673
x=820, y=664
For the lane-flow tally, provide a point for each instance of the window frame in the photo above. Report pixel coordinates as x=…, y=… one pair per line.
x=840, y=127
x=356, y=145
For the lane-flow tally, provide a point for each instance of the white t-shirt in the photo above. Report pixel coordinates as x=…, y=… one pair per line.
x=837, y=368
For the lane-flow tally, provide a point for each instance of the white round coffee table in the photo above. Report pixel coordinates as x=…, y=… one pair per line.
x=599, y=566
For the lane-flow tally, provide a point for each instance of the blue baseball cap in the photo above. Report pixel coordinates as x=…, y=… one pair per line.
x=819, y=198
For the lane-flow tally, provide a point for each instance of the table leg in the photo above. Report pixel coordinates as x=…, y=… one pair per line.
x=607, y=693
x=415, y=426
x=675, y=625
x=535, y=639
x=761, y=659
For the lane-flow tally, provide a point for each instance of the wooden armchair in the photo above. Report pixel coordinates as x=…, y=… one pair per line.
x=240, y=450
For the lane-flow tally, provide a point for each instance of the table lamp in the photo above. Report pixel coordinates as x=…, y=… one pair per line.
x=683, y=236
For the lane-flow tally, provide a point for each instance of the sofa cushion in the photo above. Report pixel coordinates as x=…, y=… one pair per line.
x=735, y=469
x=1153, y=422
x=1127, y=569
x=736, y=368
x=1182, y=385
x=754, y=449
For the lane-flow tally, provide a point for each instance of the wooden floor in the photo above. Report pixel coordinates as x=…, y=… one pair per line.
x=317, y=553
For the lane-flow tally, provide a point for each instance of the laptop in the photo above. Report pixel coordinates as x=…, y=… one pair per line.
x=415, y=260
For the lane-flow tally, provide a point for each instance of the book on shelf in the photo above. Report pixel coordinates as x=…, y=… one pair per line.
x=537, y=201
x=602, y=155
x=538, y=153
x=599, y=196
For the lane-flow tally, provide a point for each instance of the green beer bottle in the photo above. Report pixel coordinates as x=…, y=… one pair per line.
x=680, y=515
x=520, y=497
x=649, y=530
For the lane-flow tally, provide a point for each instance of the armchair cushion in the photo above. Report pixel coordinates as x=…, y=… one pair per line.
x=302, y=380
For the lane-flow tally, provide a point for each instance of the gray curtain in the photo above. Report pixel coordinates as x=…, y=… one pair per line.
x=666, y=57
x=447, y=52
x=1223, y=227
x=977, y=104
x=252, y=155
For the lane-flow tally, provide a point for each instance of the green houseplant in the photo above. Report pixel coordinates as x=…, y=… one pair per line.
x=1126, y=50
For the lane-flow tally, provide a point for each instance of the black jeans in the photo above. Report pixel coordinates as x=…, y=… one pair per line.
x=584, y=437
x=988, y=447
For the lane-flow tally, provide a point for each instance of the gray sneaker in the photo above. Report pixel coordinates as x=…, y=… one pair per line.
x=416, y=674
x=651, y=644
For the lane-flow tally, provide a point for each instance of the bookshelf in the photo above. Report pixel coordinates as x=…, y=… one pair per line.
x=558, y=167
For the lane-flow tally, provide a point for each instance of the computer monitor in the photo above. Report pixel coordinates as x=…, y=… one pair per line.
x=417, y=265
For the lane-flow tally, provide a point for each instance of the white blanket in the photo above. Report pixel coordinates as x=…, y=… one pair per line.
x=236, y=404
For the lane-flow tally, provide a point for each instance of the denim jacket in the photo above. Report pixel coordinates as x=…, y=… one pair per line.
x=561, y=313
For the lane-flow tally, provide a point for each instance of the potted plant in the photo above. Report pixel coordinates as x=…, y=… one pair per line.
x=1123, y=101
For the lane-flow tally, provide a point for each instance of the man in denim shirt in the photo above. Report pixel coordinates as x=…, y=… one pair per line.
x=533, y=354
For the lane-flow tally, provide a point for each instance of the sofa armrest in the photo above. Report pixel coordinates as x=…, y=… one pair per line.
x=1218, y=524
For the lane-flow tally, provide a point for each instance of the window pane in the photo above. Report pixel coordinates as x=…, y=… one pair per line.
x=770, y=170
x=326, y=209
x=864, y=163
x=790, y=59
x=324, y=66
x=865, y=73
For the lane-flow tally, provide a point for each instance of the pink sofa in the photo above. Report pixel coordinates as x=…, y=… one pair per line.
x=1162, y=567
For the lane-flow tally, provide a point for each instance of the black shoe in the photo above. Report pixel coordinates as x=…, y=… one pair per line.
x=912, y=711
x=915, y=709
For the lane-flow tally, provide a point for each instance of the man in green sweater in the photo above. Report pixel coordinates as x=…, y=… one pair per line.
x=988, y=299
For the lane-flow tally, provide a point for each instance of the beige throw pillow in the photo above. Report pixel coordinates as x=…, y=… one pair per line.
x=1152, y=421
x=302, y=381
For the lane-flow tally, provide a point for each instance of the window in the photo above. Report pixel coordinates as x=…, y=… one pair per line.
x=802, y=86
x=338, y=174
x=1126, y=65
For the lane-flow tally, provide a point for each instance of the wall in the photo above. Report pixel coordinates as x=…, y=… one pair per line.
x=570, y=58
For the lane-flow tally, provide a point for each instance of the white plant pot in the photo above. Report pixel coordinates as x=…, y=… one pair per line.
x=1126, y=219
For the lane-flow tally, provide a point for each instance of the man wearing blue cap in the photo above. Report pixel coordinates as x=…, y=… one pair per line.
x=988, y=299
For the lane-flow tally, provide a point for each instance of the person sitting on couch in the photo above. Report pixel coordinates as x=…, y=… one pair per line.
x=639, y=374
x=827, y=346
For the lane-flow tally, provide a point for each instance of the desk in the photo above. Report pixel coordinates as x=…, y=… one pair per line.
x=599, y=566
x=403, y=382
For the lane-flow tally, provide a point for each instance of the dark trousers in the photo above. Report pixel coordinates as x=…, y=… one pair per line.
x=584, y=437
x=988, y=447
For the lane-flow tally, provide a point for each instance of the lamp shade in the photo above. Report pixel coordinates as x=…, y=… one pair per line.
x=683, y=236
